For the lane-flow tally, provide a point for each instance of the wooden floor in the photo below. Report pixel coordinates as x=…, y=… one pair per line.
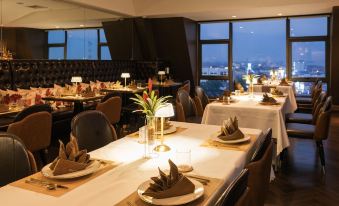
x=300, y=181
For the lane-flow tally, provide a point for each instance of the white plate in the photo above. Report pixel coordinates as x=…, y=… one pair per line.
x=170, y=130
x=47, y=172
x=216, y=138
x=179, y=200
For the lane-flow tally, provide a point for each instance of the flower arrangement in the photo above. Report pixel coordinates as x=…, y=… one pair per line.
x=250, y=78
x=149, y=102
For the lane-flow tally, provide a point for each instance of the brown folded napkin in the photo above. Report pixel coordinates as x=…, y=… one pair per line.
x=277, y=92
x=230, y=130
x=88, y=92
x=269, y=100
x=70, y=159
x=172, y=185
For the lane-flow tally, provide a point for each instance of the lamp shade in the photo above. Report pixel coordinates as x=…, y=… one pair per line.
x=161, y=72
x=165, y=111
x=125, y=75
x=76, y=79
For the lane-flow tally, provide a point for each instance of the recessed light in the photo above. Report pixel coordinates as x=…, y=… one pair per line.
x=57, y=27
x=234, y=16
x=81, y=25
x=279, y=14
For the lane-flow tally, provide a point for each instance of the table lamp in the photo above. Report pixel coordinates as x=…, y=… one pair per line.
x=165, y=111
x=125, y=76
x=76, y=80
x=161, y=73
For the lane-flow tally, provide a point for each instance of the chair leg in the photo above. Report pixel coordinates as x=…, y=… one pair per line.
x=320, y=147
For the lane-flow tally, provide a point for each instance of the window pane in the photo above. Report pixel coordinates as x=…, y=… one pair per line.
x=214, y=59
x=102, y=36
x=56, y=53
x=105, y=55
x=308, y=59
x=214, y=31
x=214, y=88
x=304, y=88
x=258, y=47
x=56, y=36
x=82, y=44
x=308, y=26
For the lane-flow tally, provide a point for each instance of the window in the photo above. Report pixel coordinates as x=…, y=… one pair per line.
x=214, y=52
x=258, y=47
x=308, y=40
x=78, y=44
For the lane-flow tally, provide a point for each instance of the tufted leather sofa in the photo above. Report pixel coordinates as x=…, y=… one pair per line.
x=24, y=74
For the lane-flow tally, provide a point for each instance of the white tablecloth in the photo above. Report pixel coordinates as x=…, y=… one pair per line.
x=289, y=90
x=253, y=115
x=116, y=184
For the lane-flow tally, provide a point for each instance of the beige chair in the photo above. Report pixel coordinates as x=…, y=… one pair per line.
x=111, y=108
x=259, y=171
x=35, y=132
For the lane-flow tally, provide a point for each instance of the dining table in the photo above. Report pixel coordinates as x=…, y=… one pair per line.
x=221, y=164
x=77, y=100
x=252, y=114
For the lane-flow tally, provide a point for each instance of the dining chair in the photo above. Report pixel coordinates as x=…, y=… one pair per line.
x=317, y=132
x=186, y=85
x=35, y=131
x=16, y=161
x=92, y=130
x=307, y=118
x=185, y=108
x=31, y=110
x=111, y=108
x=110, y=95
x=202, y=97
x=315, y=92
x=312, y=89
x=260, y=170
x=236, y=193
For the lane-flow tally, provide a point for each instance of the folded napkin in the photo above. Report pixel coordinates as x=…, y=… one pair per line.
x=277, y=92
x=88, y=92
x=70, y=159
x=283, y=82
x=172, y=185
x=230, y=130
x=269, y=100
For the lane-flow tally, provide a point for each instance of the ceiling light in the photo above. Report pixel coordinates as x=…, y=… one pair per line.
x=279, y=14
x=234, y=16
x=57, y=27
x=81, y=25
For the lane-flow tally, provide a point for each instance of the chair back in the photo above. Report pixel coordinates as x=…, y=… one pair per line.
x=236, y=194
x=110, y=95
x=92, y=130
x=186, y=102
x=321, y=99
x=259, y=174
x=34, y=130
x=186, y=86
x=259, y=153
x=323, y=121
x=316, y=86
x=316, y=94
x=16, y=161
x=31, y=110
x=111, y=108
x=200, y=93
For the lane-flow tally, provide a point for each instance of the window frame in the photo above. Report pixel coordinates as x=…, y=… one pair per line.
x=289, y=41
x=64, y=45
x=228, y=42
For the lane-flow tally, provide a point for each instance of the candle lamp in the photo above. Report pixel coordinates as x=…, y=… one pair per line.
x=125, y=76
x=165, y=111
x=161, y=73
x=76, y=80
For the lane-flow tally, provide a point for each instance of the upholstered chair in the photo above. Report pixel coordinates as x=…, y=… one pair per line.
x=35, y=132
x=235, y=194
x=185, y=108
x=31, y=110
x=317, y=132
x=111, y=108
x=92, y=130
x=16, y=161
x=201, y=99
x=260, y=170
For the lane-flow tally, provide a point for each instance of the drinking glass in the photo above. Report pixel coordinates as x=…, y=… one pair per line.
x=183, y=159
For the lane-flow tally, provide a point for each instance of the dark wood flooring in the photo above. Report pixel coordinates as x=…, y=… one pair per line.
x=300, y=180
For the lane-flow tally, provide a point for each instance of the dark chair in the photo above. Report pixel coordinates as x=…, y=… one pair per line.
x=307, y=118
x=111, y=108
x=93, y=130
x=16, y=161
x=317, y=132
x=260, y=171
x=312, y=90
x=185, y=108
x=186, y=85
x=306, y=101
x=237, y=193
x=32, y=109
x=110, y=95
x=35, y=131
x=203, y=98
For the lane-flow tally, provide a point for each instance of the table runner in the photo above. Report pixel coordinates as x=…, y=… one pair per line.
x=71, y=183
x=239, y=147
x=210, y=188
